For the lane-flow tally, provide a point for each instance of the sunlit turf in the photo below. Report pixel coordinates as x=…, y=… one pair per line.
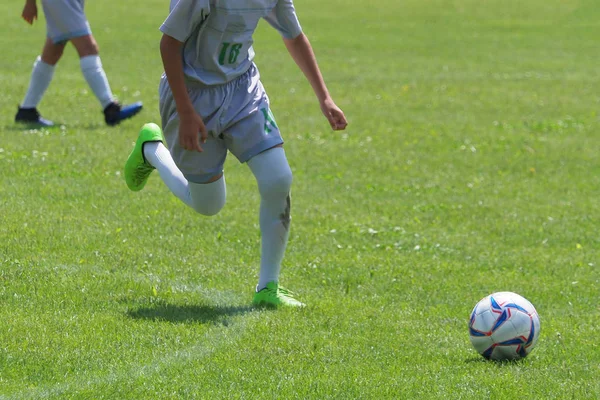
x=470, y=166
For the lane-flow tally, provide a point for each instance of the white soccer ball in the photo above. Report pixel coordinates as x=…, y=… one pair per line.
x=504, y=326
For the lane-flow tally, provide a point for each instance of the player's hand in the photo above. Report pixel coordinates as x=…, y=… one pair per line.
x=190, y=125
x=29, y=12
x=334, y=115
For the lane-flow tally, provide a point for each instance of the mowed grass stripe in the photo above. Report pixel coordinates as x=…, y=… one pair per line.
x=230, y=325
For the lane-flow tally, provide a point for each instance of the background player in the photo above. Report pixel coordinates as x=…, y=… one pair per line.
x=66, y=21
x=212, y=102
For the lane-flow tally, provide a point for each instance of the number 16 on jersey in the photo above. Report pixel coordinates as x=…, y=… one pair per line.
x=229, y=53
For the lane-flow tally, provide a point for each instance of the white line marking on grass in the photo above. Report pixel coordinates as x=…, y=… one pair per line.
x=214, y=339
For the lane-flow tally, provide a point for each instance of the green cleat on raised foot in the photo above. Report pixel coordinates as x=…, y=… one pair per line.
x=137, y=170
x=274, y=295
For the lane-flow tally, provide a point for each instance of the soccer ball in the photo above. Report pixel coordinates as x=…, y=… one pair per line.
x=504, y=326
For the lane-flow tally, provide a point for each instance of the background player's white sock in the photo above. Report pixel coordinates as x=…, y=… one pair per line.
x=91, y=66
x=41, y=76
x=206, y=198
x=274, y=178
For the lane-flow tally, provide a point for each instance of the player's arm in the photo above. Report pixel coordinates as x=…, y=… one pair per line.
x=190, y=122
x=170, y=52
x=301, y=51
x=184, y=17
x=29, y=11
x=283, y=18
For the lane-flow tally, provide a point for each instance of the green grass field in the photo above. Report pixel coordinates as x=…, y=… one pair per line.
x=470, y=166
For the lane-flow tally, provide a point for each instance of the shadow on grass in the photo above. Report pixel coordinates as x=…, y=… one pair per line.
x=500, y=363
x=57, y=127
x=24, y=127
x=188, y=313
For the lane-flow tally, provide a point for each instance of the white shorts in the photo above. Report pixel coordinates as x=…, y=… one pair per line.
x=237, y=117
x=65, y=20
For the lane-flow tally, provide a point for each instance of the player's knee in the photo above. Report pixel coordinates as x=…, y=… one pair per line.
x=208, y=209
x=208, y=198
x=52, y=53
x=51, y=59
x=90, y=49
x=86, y=46
x=58, y=52
x=272, y=172
x=275, y=193
x=277, y=184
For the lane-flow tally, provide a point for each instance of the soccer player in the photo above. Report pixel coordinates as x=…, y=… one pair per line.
x=212, y=102
x=66, y=21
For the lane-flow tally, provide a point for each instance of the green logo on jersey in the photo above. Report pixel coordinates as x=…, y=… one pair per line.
x=229, y=56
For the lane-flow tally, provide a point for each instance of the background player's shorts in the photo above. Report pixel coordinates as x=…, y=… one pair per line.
x=237, y=117
x=65, y=20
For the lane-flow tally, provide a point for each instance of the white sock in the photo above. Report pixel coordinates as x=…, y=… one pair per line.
x=91, y=66
x=208, y=198
x=41, y=76
x=274, y=178
x=205, y=198
x=159, y=157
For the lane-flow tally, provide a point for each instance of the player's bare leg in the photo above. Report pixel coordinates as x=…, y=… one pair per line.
x=41, y=76
x=52, y=52
x=91, y=67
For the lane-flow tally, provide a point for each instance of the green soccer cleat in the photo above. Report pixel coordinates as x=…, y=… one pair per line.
x=137, y=170
x=274, y=296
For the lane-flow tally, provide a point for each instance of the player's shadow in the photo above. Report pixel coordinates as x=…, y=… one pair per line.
x=175, y=313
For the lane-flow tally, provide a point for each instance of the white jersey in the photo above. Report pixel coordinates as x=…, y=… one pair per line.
x=217, y=34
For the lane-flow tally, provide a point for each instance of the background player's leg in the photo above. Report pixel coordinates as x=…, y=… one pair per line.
x=91, y=66
x=41, y=76
x=274, y=178
x=52, y=52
